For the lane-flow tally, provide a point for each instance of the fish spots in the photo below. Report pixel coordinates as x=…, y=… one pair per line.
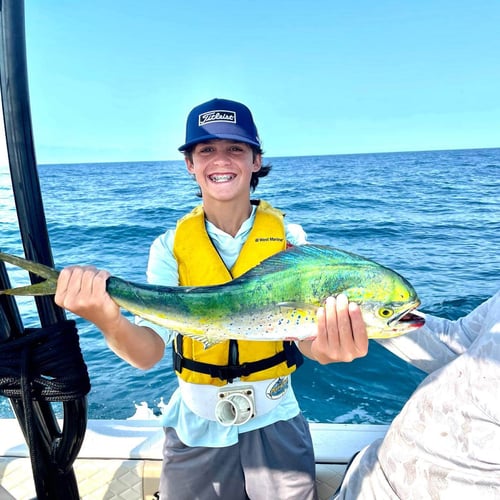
x=299, y=317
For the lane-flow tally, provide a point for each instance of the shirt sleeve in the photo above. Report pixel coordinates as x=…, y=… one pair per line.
x=162, y=266
x=440, y=340
x=295, y=234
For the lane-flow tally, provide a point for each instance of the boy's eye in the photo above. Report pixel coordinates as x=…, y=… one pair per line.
x=210, y=148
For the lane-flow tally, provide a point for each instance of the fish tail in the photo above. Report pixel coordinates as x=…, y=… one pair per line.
x=47, y=287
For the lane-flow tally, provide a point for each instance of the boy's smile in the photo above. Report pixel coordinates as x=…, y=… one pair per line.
x=221, y=177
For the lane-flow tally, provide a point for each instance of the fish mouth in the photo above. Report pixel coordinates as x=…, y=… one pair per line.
x=409, y=319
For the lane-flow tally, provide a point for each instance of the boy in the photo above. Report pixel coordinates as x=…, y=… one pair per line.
x=233, y=428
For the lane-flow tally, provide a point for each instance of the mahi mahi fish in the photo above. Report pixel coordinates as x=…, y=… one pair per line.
x=276, y=300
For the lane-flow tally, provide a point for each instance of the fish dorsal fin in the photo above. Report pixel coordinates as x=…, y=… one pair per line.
x=308, y=255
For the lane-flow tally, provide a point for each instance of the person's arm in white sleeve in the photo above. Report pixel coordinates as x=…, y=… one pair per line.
x=439, y=341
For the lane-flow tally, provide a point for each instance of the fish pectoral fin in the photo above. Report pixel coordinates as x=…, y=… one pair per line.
x=202, y=337
x=209, y=343
x=299, y=306
x=43, y=288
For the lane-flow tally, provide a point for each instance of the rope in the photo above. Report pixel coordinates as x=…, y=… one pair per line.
x=44, y=364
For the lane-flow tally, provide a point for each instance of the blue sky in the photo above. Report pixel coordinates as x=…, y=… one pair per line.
x=114, y=80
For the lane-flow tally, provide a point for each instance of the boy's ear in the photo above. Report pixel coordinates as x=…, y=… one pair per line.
x=257, y=163
x=189, y=165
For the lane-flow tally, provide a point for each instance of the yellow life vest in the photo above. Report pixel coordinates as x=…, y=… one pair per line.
x=200, y=264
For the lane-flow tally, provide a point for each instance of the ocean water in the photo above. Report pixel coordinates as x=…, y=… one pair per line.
x=432, y=216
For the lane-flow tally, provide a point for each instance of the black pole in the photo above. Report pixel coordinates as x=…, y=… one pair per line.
x=20, y=146
x=53, y=480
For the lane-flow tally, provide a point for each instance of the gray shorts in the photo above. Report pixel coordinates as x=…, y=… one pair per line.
x=275, y=462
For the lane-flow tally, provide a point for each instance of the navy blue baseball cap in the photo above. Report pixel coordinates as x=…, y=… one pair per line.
x=220, y=119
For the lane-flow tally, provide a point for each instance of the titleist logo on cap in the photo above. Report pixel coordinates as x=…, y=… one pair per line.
x=219, y=115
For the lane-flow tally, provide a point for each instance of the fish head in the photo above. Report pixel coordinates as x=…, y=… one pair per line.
x=388, y=305
x=392, y=319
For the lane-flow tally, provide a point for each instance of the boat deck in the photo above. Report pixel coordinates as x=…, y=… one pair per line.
x=121, y=459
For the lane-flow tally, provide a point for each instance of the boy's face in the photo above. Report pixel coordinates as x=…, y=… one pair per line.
x=223, y=168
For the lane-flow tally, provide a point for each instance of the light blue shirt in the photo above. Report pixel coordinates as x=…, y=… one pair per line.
x=192, y=429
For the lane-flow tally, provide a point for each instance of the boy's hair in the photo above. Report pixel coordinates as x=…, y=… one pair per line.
x=254, y=181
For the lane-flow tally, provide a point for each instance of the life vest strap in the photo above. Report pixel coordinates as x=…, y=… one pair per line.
x=290, y=354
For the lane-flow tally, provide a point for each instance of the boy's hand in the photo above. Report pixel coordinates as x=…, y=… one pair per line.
x=341, y=333
x=82, y=290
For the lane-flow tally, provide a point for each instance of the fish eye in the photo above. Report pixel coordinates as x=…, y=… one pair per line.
x=385, y=312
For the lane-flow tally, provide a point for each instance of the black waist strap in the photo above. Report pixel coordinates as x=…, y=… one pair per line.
x=290, y=354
